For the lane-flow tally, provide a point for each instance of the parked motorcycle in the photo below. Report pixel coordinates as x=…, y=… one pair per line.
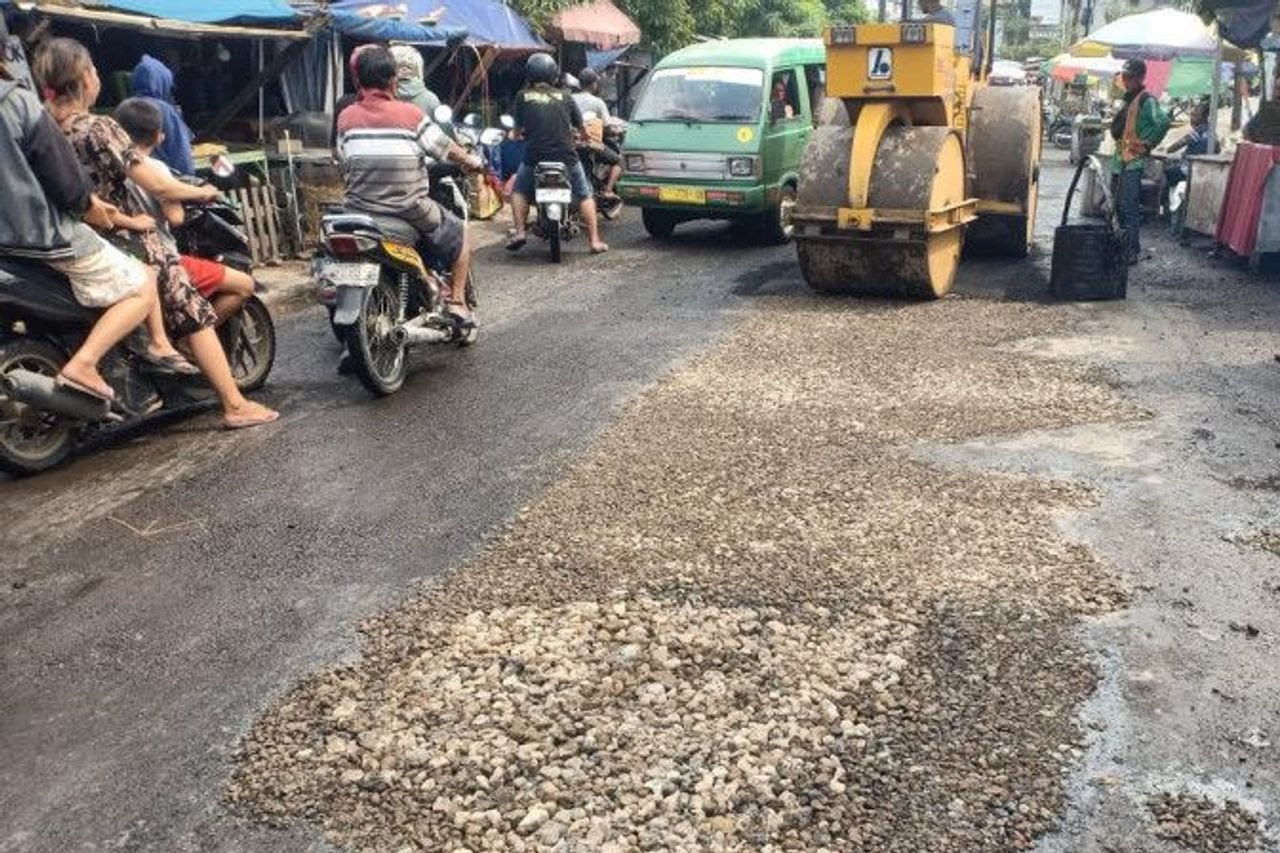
x=43, y=423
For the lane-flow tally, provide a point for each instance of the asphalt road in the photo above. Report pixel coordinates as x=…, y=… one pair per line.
x=156, y=595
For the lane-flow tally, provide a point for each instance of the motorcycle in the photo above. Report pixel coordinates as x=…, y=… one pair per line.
x=614, y=135
x=215, y=231
x=557, y=222
x=447, y=189
x=42, y=423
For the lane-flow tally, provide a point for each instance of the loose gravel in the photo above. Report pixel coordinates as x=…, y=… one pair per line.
x=747, y=620
x=1199, y=824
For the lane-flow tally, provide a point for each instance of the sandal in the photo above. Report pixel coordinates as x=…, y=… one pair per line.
x=460, y=314
x=107, y=396
x=265, y=416
x=515, y=244
x=175, y=363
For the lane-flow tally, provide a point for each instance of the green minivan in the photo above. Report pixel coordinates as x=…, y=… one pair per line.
x=719, y=132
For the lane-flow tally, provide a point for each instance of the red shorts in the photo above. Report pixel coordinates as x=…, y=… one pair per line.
x=206, y=275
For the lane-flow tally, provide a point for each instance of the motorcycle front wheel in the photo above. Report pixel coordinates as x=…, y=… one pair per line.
x=30, y=441
x=379, y=361
x=249, y=340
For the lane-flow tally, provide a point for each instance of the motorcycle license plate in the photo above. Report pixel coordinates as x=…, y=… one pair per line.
x=352, y=275
x=683, y=195
x=561, y=195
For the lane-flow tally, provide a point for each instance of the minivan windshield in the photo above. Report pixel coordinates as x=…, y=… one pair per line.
x=702, y=94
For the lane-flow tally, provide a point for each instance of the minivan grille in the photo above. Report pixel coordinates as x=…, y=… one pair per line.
x=695, y=167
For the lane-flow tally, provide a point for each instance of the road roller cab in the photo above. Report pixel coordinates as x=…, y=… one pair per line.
x=720, y=131
x=914, y=159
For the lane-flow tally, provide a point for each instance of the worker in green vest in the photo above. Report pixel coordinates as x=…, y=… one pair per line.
x=1137, y=129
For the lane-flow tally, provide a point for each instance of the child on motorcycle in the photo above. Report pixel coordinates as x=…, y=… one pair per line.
x=224, y=287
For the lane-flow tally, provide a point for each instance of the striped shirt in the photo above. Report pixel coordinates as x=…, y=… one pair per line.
x=384, y=145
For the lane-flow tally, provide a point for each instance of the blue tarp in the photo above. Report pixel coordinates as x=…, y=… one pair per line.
x=598, y=60
x=372, y=29
x=208, y=12
x=485, y=21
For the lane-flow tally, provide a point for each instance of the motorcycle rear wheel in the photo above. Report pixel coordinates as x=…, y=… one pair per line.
x=249, y=340
x=379, y=362
x=552, y=229
x=32, y=442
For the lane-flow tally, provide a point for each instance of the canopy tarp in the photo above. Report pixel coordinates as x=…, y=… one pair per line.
x=386, y=29
x=1243, y=22
x=206, y=12
x=1066, y=67
x=488, y=22
x=598, y=60
x=600, y=24
x=1158, y=34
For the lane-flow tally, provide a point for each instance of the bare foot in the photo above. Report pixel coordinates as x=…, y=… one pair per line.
x=250, y=414
x=599, y=248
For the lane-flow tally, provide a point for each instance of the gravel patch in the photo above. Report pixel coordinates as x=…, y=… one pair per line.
x=1267, y=539
x=746, y=620
x=1196, y=823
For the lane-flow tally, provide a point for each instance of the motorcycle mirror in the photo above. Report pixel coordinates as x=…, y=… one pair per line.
x=507, y=121
x=472, y=120
x=443, y=114
x=222, y=167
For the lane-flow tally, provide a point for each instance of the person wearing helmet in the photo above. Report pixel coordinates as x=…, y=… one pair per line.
x=548, y=120
x=595, y=112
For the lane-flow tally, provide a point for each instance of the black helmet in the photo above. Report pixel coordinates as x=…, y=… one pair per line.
x=541, y=68
x=588, y=78
x=571, y=83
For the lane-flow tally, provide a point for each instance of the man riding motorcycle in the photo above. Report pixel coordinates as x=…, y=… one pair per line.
x=383, y=145
x=547, y=118
x=589, y=101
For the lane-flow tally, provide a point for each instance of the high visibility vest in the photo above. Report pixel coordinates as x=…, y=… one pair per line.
x=1131, y=147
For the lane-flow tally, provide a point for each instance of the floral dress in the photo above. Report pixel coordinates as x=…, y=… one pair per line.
x=108, y=154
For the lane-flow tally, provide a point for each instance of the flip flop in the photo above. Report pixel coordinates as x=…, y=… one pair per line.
x=67, y=382
x=246, y=421
x=599, y=250
x=515, y=244
x=179, y=364
x=460, y=316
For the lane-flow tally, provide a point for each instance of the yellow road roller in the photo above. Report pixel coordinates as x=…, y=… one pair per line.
x=914, y=159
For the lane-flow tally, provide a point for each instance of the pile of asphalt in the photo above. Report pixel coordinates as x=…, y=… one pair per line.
x=747, y=619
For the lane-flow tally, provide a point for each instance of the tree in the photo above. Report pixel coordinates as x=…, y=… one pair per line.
x=666, y=25
x=671, y=24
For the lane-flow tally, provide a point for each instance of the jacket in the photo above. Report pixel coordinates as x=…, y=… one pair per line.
x=417, y=93
x=153, y=80
x=44, y=184
x=1137, y=130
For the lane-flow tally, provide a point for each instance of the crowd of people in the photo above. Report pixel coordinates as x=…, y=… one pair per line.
x=85, y=196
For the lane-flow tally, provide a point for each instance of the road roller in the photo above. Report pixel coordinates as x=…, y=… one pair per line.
x=914, y=160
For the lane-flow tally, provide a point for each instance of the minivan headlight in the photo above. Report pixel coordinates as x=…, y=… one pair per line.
x=742, y=167
x=635, y=162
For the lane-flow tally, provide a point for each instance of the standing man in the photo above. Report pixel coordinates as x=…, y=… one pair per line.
x=1137, y=129
x=548, y=118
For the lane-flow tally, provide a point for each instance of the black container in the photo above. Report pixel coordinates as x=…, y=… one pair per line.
x=1088, y=259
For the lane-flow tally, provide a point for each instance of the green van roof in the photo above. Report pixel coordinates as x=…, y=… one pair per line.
x=747, y=53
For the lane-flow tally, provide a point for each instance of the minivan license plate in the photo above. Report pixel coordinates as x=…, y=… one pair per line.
x=352, y=275
x=552, y=195
x=683, y=195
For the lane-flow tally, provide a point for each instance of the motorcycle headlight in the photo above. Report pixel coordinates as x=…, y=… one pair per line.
x=635, y=162
x=742, y=167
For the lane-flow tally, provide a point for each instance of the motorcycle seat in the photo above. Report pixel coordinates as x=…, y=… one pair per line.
x=387, y=226
x=36, y=289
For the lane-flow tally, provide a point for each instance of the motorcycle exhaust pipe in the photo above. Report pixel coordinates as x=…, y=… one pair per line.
x=45, y=394
x=414, y=335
